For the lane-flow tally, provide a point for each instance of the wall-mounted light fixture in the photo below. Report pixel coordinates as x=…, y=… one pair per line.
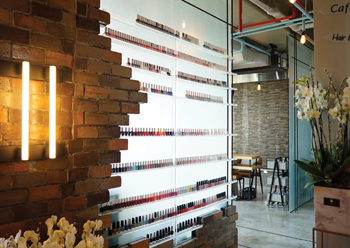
x=25, y=111
x=259, y=86
x=52, y=143
x=183, y=24
x=25, y=151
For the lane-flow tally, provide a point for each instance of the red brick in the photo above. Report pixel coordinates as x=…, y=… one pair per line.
x=66, y=133
x=68, y=216
x=81, y=63
x=106, y=244
x=14, y=34
x=110, y=81
x=110, y=106
x=122, y=95
x=111, y=56
x=63, y=118
x=59, y=59
x=86, y=132
x=85, y=105
x=5, y=84
x=74, y=203
x=88, y=24
x=82, y=36
x=57, y=176
x=5, y=183
x=67, y=103
x=131, y=108
x=15, y=5
x=11, y=229
x=46, y=11
x=99, y=66
x=13, y=167
x=96, y=119
x=95, y=145
x=100, y=41
x=106, y=222
x=5, y=16
x=29, y=179
x=11, y=132
x=111, y=182
x=85, y=78
x=78, y=174
x=88, y=186
x=87, y=214
x=118, y=144
x=68, y=19
x=9, y=99
x=85, y=159
x=36, y=86
x=81, y=8
x=42, y=102
x=44, y=193
x=4, y=115
x=122, y=71
x=138, y=97
x=68, y=5
x=29, y=211
x=55, y=164
x=95, y=3
x=62, y=31
x=55, y=206
x=100, y=15
x=13, y=197
x=67, y=189
x=28, y=53
x=30, y=22
x=5, y=49
x=109, y=132
x=6, y=215
x=97, y=198
x=141, y=243
x=100, y=171
x=75, y=146
x=112, y=157
x=128, y=84
x=47, y=42
x=118, y=119
x=40, y=132
x=65, y=89
x=83, y=50
x=96, y=92
x=78, y=119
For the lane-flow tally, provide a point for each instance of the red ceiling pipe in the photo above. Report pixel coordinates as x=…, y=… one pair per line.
x=270, y=21
x=240, y=25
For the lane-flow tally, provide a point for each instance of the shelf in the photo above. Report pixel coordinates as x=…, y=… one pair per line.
x=203, y=66
x=165, y=199
x=176, y=136
x=150, y=72
x=202, y=84
x=188, y=230
x=224, y=104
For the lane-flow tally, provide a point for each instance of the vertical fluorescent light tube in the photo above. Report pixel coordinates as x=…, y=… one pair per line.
x=25, y=111
x=52, y=146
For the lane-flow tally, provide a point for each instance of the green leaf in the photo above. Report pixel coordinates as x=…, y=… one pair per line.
x=327, y=169
x=312, y=182
x=309, y=169
x=346, y=163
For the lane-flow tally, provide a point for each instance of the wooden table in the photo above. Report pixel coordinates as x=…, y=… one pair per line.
x=248, y=167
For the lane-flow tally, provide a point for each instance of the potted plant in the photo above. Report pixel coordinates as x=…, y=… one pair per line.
x=330, y=170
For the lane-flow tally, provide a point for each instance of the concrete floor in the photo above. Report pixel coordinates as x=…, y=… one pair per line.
x=273, y=227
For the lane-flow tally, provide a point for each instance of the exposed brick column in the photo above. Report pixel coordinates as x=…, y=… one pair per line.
x=96, y=96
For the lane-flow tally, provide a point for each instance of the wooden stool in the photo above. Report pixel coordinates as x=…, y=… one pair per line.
x=238, y=177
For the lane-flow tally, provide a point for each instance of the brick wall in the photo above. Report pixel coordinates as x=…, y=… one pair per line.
x=261, y=119
x=96, y=96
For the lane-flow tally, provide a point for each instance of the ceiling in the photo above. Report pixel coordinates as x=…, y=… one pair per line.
x=254, y=14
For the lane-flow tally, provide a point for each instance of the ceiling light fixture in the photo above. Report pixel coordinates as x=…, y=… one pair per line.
x=292, y=1
x=303, y=38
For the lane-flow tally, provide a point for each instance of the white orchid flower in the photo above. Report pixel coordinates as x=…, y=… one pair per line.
x=63, y=224
x=342, y=119
x=72, y=229
x=81, y=244
x=22, y=242
x=99, y=241
x=58, y=236
x=49, y=223
x=346, y=91
x=304, y=103
x=89, y=244
x=2, y=242
x=98, y=225
x=297, y=93
x=18, y=235
x=313, y=114
x=348, y=81
x=32, y=236
x=70, y=240
x=52, y=245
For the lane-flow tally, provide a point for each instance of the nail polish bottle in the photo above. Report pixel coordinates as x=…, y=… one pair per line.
x=110, y=232
x=172, y=231
x=133, y=225
x=118, y=227
x=122, y=226
x=130, y=225
x=114, y=229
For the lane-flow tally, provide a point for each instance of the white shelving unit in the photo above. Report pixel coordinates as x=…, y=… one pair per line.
x=176, y=112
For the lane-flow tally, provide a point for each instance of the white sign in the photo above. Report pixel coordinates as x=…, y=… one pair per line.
x=338, y=8
x=338, y=37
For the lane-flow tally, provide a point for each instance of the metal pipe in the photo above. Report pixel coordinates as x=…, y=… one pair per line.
x=250, y=45
x=242, y=46
x=273, y=25
x=272, y=29
x=240, y=16
x=303, y=11
x=270, y=21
